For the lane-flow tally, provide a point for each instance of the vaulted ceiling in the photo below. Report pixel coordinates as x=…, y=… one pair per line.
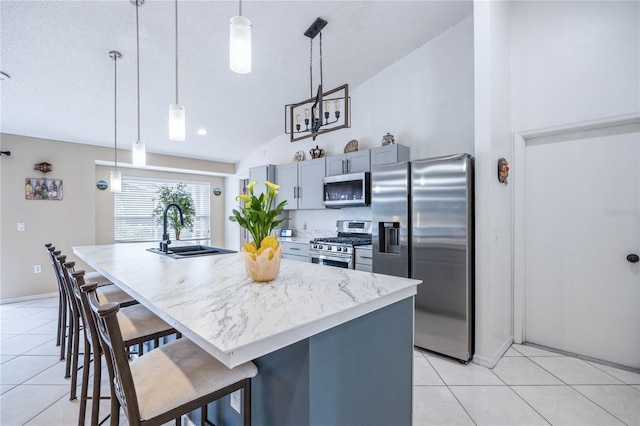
x=62, y=88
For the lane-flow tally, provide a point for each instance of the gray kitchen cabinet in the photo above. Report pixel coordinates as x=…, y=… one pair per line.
x=261, y=174
x=287, y=178
x=389, y=154
x=364, y=259
x=295, y=250
x=351, y=162
x=301, y=184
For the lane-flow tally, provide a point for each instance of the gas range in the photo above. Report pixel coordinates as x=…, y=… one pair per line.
x=338, y=251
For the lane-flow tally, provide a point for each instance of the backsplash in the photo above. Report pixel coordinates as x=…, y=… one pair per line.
x=322, y=223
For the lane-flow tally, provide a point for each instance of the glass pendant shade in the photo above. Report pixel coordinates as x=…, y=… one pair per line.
x=176, y=122
x=139, y=154
x=240, y=45
x=116, y=181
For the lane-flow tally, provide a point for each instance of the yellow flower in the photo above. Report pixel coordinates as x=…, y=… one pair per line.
x=244, y=197
x=260, y=215
x=269, y=241
x=272, y=188
x=249, y=247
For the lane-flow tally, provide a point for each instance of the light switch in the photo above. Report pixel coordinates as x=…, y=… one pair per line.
x=20, y=226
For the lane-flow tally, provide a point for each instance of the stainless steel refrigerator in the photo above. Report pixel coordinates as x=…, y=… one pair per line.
x=423, y=228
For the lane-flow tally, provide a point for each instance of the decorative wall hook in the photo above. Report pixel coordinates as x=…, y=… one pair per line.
x=43, y=167
x=503, y=171
x=7, y=153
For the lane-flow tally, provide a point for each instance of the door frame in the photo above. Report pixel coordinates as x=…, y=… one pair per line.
x=520, y=141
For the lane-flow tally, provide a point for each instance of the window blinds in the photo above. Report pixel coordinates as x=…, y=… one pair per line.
x=133, y=210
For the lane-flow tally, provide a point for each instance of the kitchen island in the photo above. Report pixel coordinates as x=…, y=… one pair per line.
x=332, y=346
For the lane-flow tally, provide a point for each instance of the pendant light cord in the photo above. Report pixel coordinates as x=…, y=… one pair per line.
x=138, y=62
x=240, y=7
x=176, y=47
x=115, y=110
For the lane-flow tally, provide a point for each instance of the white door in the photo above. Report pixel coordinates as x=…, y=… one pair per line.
x=582, y=294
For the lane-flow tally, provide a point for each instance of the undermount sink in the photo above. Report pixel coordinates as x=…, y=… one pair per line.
x=180, y=252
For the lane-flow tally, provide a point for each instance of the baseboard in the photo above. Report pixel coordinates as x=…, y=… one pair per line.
x=28, y=298
x=491, y=362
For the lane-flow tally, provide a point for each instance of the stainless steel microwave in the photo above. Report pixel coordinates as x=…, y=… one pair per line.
x=351, y=190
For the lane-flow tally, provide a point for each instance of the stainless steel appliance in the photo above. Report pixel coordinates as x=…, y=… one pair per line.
x=351, y=190
x=338, y=251
x=423, y=228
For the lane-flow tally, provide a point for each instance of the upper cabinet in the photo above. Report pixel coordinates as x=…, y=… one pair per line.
x=301, y=184
x=351, y=162
x=260, y=175
x=389, y=154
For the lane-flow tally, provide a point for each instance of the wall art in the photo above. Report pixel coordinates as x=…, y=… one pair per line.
x=43, y=189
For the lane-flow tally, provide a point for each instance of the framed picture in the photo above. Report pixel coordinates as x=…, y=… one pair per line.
x=43, y=189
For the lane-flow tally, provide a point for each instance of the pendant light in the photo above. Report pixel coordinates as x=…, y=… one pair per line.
x=240, y=43
x=115, y=181
x=176, y=111
x=138, y=152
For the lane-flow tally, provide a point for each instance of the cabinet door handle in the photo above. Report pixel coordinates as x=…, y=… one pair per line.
x=295, y=192
x=342, y=166
x=348, y=166
x=365, y=257
x=294, y=248
x=299, y=192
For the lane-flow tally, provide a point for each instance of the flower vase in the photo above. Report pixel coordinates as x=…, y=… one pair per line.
x=265, y=266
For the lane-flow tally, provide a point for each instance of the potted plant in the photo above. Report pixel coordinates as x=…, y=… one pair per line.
x=259, y=216
x=177, y=195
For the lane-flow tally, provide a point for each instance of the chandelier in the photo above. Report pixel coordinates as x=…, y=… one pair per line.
x=324, y=112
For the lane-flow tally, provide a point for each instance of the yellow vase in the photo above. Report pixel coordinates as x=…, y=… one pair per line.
x=264, y=267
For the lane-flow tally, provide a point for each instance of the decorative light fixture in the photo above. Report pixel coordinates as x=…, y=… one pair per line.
x=240, y=43
x=115, y=175
x=138, y=151
x=315, y=112
x=177, y=126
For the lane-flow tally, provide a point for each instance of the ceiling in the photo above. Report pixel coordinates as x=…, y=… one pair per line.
x=62, y=87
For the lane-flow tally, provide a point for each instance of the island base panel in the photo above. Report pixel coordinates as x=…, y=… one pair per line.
x=359, y=373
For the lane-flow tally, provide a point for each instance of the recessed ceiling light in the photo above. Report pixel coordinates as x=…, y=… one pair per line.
x=202, y=132
x=4, y=76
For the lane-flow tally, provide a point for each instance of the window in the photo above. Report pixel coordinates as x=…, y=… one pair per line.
x=133, y=210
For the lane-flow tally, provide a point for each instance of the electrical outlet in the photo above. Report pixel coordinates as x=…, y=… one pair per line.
x=37, y=269
x=236, y=397
x=21, y=226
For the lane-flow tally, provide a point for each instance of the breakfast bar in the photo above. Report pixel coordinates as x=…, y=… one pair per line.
x=332, y=346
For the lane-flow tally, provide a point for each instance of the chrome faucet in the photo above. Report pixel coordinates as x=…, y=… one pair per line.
x=164, y=244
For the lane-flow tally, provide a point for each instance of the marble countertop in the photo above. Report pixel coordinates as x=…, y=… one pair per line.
x=211, y=300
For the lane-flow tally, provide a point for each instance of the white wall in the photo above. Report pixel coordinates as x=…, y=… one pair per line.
x=574, y=61
x=493, y=200
x=424, y=99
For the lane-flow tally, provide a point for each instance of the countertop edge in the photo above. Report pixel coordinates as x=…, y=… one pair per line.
x=273, y=343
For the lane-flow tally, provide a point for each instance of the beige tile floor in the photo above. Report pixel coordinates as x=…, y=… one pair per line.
x=529, y=386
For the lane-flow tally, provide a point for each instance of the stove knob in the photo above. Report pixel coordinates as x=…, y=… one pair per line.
x=315, y=246
x=345, y=249
x=329, y=247
x=320, y=247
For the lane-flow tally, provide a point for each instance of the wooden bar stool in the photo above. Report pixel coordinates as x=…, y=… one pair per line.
x=169, y=381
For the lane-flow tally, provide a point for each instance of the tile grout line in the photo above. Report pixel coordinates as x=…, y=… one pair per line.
x=598, y=405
